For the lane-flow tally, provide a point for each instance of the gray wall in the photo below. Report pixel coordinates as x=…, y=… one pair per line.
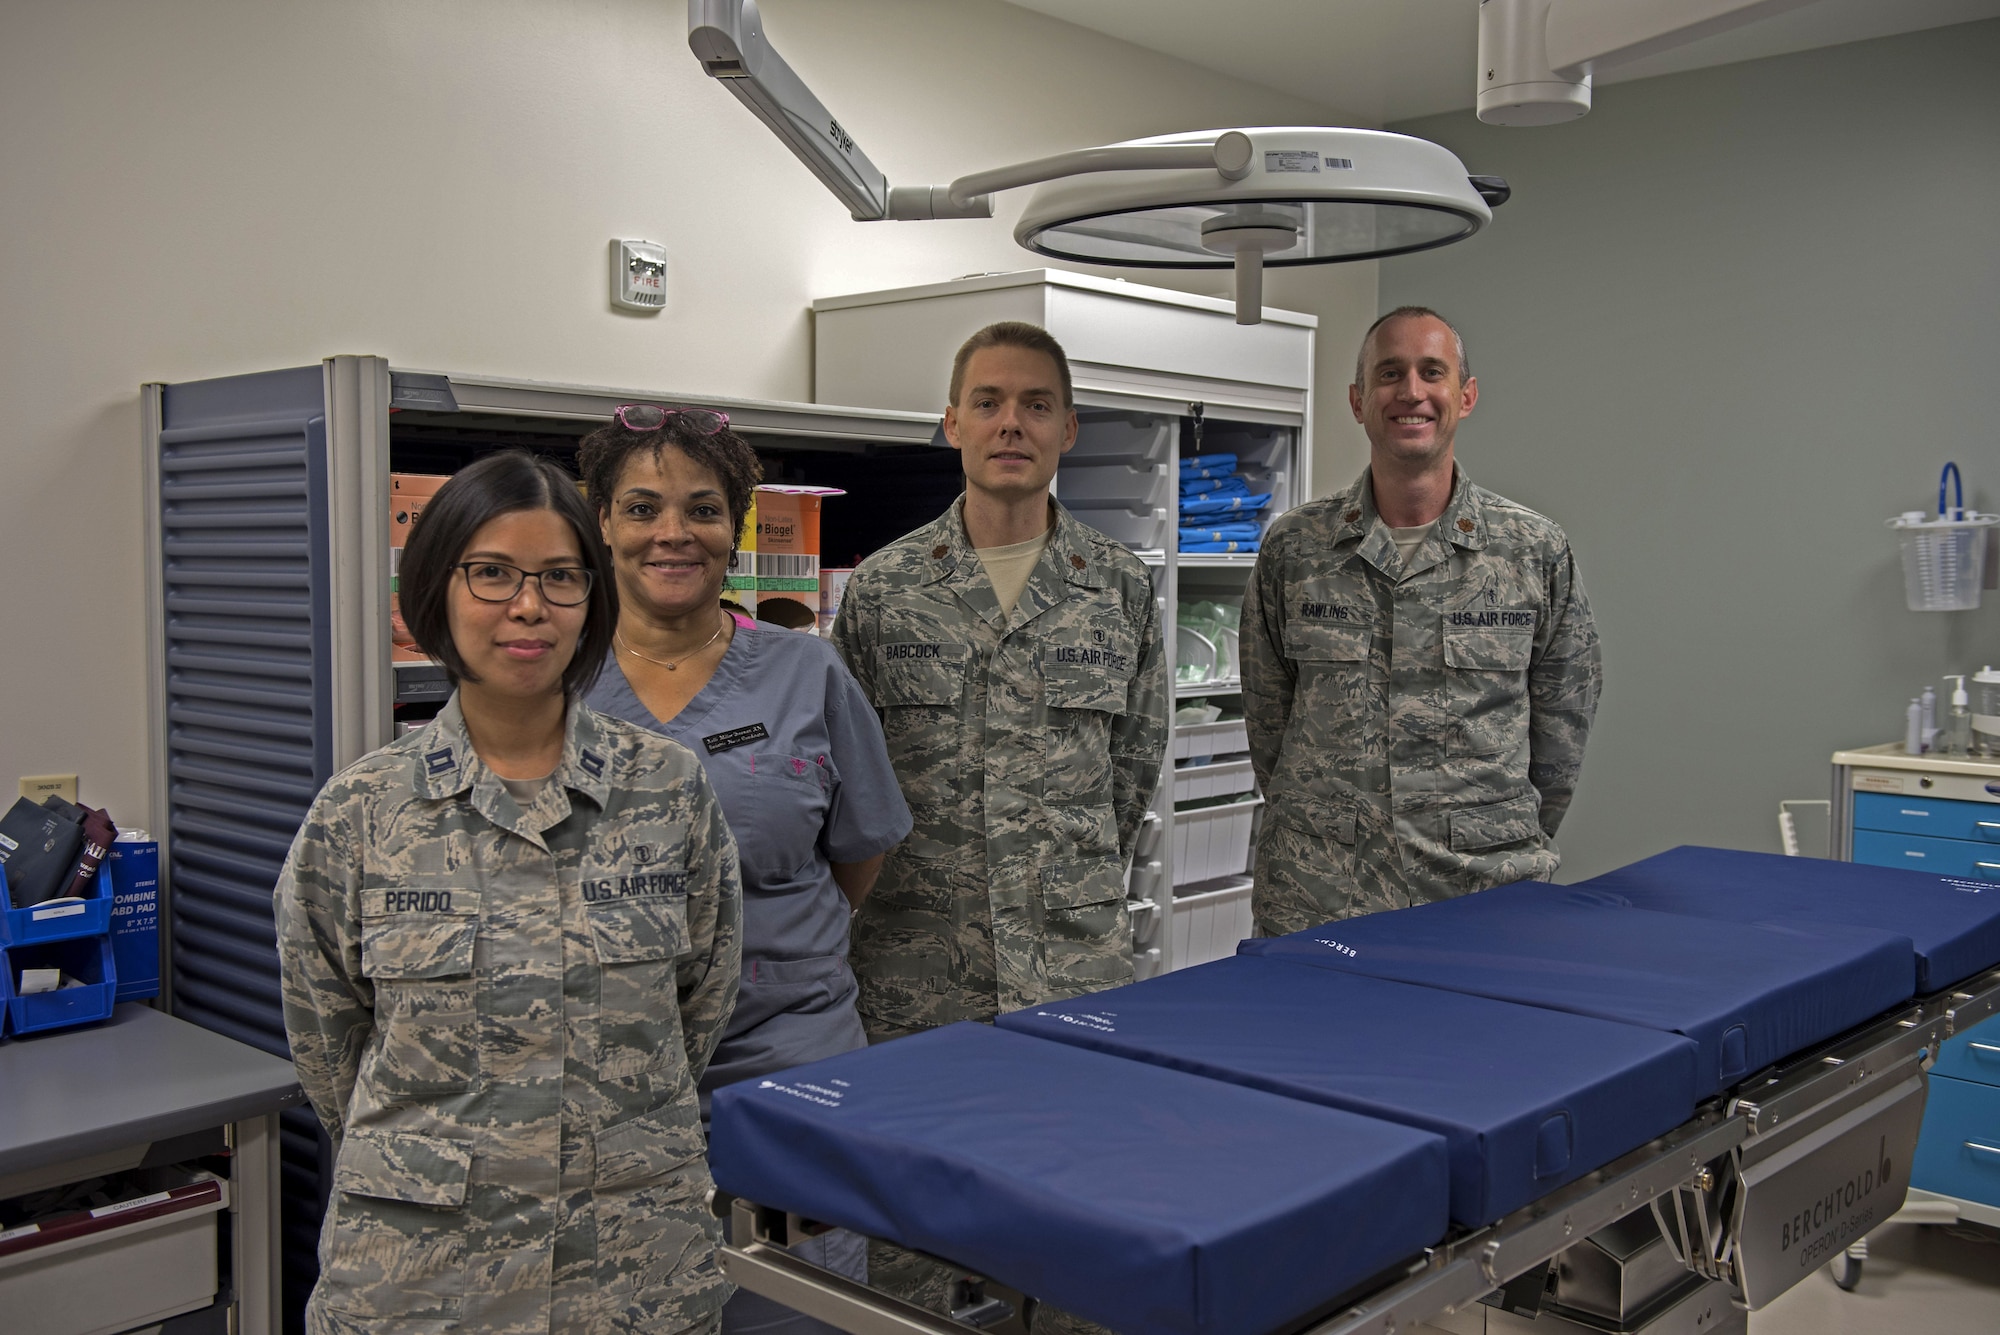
x=1730, y=322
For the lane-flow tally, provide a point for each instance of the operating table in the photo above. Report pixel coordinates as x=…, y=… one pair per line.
x=1647, y=1102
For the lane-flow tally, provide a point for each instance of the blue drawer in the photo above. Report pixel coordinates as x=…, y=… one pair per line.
x=1946, y=857
x=1958, y=1152
x=1973, y=1055
x=1937, y=817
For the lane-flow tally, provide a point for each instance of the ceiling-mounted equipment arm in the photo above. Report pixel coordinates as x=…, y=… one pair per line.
x=1537, y=57
x=728, y=38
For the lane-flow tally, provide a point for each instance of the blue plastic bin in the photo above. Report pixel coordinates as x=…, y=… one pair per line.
x=64, y=921
x=85, y=958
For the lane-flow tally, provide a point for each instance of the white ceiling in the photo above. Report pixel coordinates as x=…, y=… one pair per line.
x=1376, y=61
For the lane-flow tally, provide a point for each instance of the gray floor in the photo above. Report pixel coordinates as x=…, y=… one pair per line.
x=1918, y=1278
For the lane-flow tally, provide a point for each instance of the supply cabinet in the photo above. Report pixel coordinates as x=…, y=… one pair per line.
x=1939, y=814
x=1162, y=378
x=269, y=538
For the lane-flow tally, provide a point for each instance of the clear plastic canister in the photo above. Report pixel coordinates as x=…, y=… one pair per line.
x=1985, y=686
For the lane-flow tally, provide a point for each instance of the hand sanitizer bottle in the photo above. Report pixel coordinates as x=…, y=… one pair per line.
x=1958, y=732
x=1913, y=728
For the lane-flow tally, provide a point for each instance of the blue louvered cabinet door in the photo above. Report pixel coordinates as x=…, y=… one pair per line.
x=244, y=710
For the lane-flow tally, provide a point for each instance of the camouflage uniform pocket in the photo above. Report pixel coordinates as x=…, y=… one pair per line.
x=1486, y=677
x=1080, y=704
x=920, y=698
x=394, y=1246
x=637, y=943
x=1086, y=934
x=1496, y=825
x=656, y=1238
x=418, y=948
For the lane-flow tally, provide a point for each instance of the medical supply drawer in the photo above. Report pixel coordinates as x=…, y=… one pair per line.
x=130, y=1263
x=1973, y=1055
x=1947, y=857
x=1938, y=818
x=1958, y=1153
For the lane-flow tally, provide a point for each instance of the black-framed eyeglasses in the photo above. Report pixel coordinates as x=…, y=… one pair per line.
x=497, y=582
x=651, y=417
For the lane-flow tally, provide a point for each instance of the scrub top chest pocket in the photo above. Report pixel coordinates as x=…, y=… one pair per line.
x=418, y=947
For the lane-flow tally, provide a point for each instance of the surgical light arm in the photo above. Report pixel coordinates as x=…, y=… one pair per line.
x=727, y=36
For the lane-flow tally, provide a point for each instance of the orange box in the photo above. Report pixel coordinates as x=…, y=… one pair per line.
x=788, y=538
x=408, y=494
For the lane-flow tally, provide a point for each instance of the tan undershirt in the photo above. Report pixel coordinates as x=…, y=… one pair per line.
x=1407, y=540
x=1009, y=567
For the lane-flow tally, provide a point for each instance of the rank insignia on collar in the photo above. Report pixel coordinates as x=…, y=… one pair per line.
x=440, y=762
x=592, y=763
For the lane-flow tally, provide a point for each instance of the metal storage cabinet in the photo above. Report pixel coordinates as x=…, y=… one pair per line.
x=1151, y=368
x=1939, y=814
x=268, y=618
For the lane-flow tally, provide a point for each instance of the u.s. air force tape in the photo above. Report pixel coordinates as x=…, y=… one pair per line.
x=718, y=742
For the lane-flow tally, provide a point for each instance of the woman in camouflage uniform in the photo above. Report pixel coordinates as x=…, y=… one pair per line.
x=509, y=946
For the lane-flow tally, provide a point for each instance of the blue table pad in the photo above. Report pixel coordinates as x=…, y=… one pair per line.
x=1954, y=923
x=1527, y=1099
x=1748, y=994
x=1150, y=1200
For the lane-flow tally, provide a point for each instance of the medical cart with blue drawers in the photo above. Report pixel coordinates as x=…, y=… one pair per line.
x=1941, y=815
x=1653, y=1101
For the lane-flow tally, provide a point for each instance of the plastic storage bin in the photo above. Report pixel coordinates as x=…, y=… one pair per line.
x=121, y=1266
x=85, y=958
x=1208, y=923
x=1140, y=527
x=1222, y=778
x=1200, y=741
x=1212, y=842
x=60, y=920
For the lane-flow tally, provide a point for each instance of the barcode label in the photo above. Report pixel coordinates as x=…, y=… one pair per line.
x=1340, y=164
x=787, y=567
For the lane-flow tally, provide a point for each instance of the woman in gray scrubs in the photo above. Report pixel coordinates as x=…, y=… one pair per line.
x=791, y=746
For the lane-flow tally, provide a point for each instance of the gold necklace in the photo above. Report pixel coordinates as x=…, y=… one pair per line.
x=674, y=665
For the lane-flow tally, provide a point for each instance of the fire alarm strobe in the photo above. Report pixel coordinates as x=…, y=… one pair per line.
x=638, y=275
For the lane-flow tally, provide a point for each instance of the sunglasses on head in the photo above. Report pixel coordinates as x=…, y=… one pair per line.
x=651, y=417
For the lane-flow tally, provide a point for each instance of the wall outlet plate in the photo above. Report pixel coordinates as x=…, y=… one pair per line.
x=638, y=275
x=35, y=787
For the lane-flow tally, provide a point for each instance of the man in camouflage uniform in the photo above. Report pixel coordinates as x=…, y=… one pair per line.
x=1027, y=738
x=1420, y=667
x=1015, y=658
x=500, y=1015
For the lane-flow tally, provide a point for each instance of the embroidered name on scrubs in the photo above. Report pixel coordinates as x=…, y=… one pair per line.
x=1078, y=656
x=1327, y=612
x=440, y=762
x=645, y=884
x=1526, y=619
x=416, y=901
x=718, y=742
x=893, y=653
